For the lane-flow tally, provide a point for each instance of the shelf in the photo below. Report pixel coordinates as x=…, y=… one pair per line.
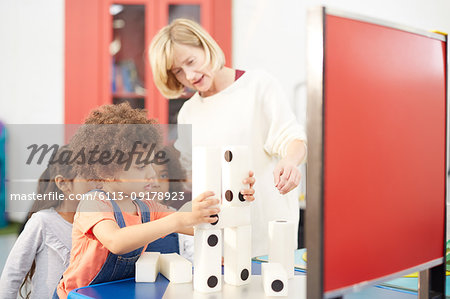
x=136, y=102
x=128, y=95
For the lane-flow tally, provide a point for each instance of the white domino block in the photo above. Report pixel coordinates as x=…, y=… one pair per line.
x=282, y=245
x=207, y=260
x=230, y=216
x=175, y=268
x=274, y=278
x=147, y=267
x=237, y=255
x=206, y=174
x=235, y=168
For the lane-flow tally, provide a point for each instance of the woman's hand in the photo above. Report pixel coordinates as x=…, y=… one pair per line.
x=248, y=193
x=286, y=175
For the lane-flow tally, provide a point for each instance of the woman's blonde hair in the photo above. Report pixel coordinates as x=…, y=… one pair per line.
x=181, y=32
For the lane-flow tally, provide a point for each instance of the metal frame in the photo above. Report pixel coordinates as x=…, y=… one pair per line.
x=314, y=199
x=362, y=18
x=432, y=275
x=431, y=282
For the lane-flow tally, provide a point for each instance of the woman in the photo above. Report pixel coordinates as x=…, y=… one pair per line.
x=233, y=107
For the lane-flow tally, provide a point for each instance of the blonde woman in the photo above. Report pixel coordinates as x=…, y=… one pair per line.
x=233, y=107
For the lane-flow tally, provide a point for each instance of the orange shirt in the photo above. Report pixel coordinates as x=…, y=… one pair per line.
x=88, y=255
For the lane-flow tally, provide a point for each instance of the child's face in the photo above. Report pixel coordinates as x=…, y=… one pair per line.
x=162, y=174
x=137, y=179
x=71, y=188
x=188, y=67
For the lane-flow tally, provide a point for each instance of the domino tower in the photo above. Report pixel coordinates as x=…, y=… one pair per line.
x=222, y=171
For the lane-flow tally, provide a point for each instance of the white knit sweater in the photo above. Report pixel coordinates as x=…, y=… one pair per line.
x=46, y=238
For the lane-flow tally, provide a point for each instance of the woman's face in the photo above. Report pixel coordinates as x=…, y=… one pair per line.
x=188, y=68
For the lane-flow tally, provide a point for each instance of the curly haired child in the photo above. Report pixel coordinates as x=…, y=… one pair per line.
x=111, y=231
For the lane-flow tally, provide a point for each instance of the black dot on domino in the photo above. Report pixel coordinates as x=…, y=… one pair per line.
x=212, y=281
x=244, y=274
x=217, y=221
x=228, y=156
x=241, y=197
x=229, y=195
x=213, y=240
x=277, y=285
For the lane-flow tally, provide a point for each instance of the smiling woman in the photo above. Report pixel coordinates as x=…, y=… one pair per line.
x=233, y=107
x=203, y=55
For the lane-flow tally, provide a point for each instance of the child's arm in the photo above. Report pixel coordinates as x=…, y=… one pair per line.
x=122, y=240
x=21, y=258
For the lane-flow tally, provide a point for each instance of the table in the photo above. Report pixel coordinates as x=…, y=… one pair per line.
x=128, y=288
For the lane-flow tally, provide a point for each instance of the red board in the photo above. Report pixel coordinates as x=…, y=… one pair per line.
x=384, y=151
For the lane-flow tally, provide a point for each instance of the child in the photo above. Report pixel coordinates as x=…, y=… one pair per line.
x=110, y=235
x=168, y=190
x=42, y=251
x=233, y=107
x=171, y=178
x=110, y=114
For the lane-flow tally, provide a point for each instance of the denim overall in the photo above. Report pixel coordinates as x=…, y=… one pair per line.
x=118, y=267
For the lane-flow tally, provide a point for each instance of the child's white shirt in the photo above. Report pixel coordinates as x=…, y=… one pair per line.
x=46, y=238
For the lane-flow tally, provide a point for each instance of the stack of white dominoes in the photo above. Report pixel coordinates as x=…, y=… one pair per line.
x=222, y=171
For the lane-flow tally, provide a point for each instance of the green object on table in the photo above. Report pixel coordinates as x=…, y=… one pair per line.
x=447, y=256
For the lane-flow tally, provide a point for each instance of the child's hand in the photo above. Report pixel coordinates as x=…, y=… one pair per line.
x=248, y=193
x=203, y=206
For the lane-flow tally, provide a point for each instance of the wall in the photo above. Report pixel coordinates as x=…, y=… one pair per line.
x=271, y=34
x=32, y=65
x=31, y=76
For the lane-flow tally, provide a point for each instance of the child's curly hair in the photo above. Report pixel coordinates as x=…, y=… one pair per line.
x=108, y=130
x=118, y=114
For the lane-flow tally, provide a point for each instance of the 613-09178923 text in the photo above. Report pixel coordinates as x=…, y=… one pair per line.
x=178, y=196
x=142, y=195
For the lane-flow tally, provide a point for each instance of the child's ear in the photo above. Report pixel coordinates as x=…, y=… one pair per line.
x=62, y=184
